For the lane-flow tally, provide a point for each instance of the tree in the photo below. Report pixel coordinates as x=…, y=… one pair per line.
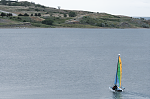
x=9, y=14
x=39, y=14
x=3, y=14
x=31, y=14
x=43, y=6
x=65, y=15
x=35, y=14
x=72, y=14
x=26, y=14
x=20, y=14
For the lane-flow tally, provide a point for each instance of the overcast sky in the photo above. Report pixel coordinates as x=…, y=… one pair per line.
x=137, y=8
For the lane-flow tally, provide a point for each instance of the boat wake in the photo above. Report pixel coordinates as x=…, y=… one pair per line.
x=136, y=95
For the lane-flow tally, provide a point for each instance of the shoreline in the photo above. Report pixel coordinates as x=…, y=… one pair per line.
x=33, y=27
x=27, y=25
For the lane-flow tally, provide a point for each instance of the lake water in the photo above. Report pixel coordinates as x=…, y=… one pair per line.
x=73, y=63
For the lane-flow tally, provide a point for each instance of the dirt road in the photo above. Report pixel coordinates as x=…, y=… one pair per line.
x=8, y=12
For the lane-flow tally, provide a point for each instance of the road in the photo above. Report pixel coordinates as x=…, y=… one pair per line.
x=9, y=12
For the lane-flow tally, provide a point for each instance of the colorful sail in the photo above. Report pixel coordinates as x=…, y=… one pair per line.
x=118, y=73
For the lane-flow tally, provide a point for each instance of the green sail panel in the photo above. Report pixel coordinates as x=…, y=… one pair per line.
x=118, y=73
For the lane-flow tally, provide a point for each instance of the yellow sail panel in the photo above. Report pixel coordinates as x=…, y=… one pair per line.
x=120, y=70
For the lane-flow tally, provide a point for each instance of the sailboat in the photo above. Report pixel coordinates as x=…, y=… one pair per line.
x=117, y=84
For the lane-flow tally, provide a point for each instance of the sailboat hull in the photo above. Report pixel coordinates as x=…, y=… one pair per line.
x=117, y=90
x=110, y=88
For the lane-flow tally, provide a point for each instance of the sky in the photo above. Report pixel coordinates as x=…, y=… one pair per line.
x=133, y=8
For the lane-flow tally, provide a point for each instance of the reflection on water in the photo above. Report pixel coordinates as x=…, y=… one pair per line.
x=117, y=95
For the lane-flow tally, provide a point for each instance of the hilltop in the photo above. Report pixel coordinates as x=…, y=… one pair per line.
x=29, y=14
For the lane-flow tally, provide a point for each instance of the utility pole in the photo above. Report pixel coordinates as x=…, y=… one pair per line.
x=59, y=9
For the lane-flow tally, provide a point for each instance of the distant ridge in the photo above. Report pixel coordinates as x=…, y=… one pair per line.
x=146, y=18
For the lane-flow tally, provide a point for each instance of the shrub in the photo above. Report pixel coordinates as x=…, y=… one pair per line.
x=39, y=14
x=9, y=14
x=65, y=15
x=88, y=20
x=145, y=25
x=101, y=24
x=19, y=18
x=48, y=22
x=26, y=14
x=20, y=14
x=72, y=14
x=37, y=10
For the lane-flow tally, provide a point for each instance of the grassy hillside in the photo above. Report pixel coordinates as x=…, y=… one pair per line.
x=41, y=16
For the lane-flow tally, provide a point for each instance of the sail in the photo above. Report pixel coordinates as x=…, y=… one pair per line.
x=118, y=73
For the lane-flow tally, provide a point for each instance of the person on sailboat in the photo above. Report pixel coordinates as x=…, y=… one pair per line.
x=115, y=87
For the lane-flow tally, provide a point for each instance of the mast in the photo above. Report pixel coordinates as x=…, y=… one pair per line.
x=118, y=70
x=118, y=73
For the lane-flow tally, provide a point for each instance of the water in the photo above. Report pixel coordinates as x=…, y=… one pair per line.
x=73, y=63
x=146, y=18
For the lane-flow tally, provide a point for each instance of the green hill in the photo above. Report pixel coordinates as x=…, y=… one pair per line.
x=36, y=15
